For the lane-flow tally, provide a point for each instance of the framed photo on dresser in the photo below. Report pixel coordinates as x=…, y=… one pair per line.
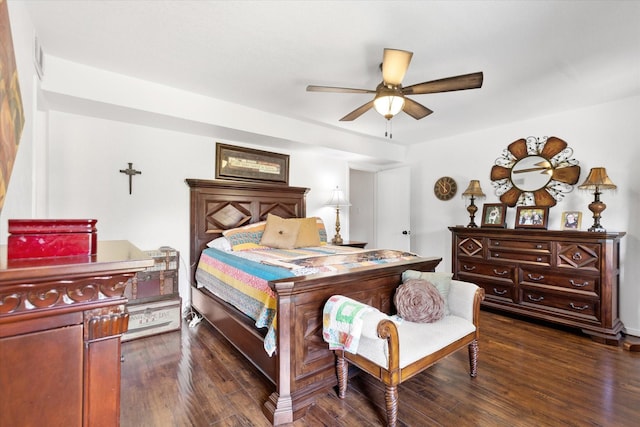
x=494, y=215
x=532, y=217
x=571, y=220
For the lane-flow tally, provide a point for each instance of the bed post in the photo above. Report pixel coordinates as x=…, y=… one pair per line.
x=279, y=407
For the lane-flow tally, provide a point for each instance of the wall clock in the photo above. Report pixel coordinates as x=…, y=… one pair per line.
x=535, y=171
x=445, y=188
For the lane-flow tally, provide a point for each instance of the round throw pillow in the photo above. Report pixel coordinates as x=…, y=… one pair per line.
x=418, y=300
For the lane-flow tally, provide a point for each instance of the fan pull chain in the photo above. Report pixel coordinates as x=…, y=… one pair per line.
x=388, y=129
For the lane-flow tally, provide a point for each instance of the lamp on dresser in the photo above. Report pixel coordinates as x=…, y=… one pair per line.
x=336, y=201
x=473, y=191
x=597, y=181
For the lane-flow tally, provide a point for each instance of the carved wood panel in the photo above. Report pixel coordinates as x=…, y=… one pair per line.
x=582, y=256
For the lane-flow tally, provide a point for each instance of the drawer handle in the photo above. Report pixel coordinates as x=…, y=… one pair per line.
x=497, y=292
x=584, y=307
x=470, y=246
x=500, y=273
x=469, y=268
x=496, y=255
x=579, y=285
x=496, y=243
x=539, y=259
x=577, y=256
x=535, y=278
x=535, y=299
x=538, y=246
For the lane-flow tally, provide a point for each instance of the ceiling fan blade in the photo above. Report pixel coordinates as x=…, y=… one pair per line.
x=357, y=112
x=312, y=88
x=394, y=65
x=465, y=81
x=415, y=110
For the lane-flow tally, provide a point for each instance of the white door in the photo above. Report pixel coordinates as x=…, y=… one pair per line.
x=393, y=216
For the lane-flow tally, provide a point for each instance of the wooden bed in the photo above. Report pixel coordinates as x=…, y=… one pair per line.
x=302, y=366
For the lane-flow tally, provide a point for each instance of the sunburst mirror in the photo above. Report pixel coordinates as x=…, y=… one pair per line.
x=537, y=171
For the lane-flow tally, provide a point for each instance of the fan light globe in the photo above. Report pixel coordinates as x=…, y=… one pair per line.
x=389, y=100
x=388, y=106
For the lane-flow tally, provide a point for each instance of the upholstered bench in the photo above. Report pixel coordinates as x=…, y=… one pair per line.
x=394, y=351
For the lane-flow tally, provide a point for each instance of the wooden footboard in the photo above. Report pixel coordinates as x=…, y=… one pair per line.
x=303, y=366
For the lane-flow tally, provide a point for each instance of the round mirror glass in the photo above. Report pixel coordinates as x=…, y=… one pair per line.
x=531, y=173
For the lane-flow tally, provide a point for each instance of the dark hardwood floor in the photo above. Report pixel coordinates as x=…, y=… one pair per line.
x=529, y=374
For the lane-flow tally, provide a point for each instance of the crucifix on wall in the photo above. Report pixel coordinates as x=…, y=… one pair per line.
x=130, y=171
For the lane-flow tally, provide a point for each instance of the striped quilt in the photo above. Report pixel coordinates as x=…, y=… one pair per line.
x=242, y=278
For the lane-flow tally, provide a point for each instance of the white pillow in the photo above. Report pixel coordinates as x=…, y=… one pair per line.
x=221, y=243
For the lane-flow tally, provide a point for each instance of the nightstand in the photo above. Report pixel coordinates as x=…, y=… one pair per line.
x=352, y=244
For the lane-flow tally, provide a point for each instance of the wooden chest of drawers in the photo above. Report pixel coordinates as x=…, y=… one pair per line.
x=566, y=277
x=61, y=320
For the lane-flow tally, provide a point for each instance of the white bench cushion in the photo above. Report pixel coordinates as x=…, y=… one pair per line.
x=417, y=340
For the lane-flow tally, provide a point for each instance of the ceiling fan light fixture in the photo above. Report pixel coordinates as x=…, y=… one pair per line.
x=389, y=101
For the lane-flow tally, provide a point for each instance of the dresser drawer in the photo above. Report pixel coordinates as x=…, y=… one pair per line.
x=579, y=307
x=580, y=256
x=497, y=280
x=542, y=258
x=492, y=271
x=497, y=292
x=520, y=245
x=470, y=247
x=587, y=284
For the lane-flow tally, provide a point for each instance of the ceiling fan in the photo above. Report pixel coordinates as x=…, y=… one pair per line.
x=390, y=97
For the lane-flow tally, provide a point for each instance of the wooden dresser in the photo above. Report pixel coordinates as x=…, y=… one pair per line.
x=566, y=277
x=60, y=325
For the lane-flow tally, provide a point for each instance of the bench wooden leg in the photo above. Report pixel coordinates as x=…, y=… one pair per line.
x=391, y=401
x=473, y=358
x=342, y=369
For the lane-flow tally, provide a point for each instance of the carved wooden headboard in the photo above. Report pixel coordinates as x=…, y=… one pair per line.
x=216, y=206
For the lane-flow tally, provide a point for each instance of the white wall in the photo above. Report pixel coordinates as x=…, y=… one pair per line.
x=86, y=154
x=605, y=135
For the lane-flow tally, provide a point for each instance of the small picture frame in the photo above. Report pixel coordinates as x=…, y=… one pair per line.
x=532, y=217
x=494, y=215
x=571, y=220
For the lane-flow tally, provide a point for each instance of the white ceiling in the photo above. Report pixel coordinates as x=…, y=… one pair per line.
x=538, y=57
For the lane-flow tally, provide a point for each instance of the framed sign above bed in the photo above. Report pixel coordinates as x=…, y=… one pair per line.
x=247, y=164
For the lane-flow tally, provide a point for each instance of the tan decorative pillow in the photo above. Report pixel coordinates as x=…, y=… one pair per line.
x=418, y=300
x=280, y=233
x=308, y=234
